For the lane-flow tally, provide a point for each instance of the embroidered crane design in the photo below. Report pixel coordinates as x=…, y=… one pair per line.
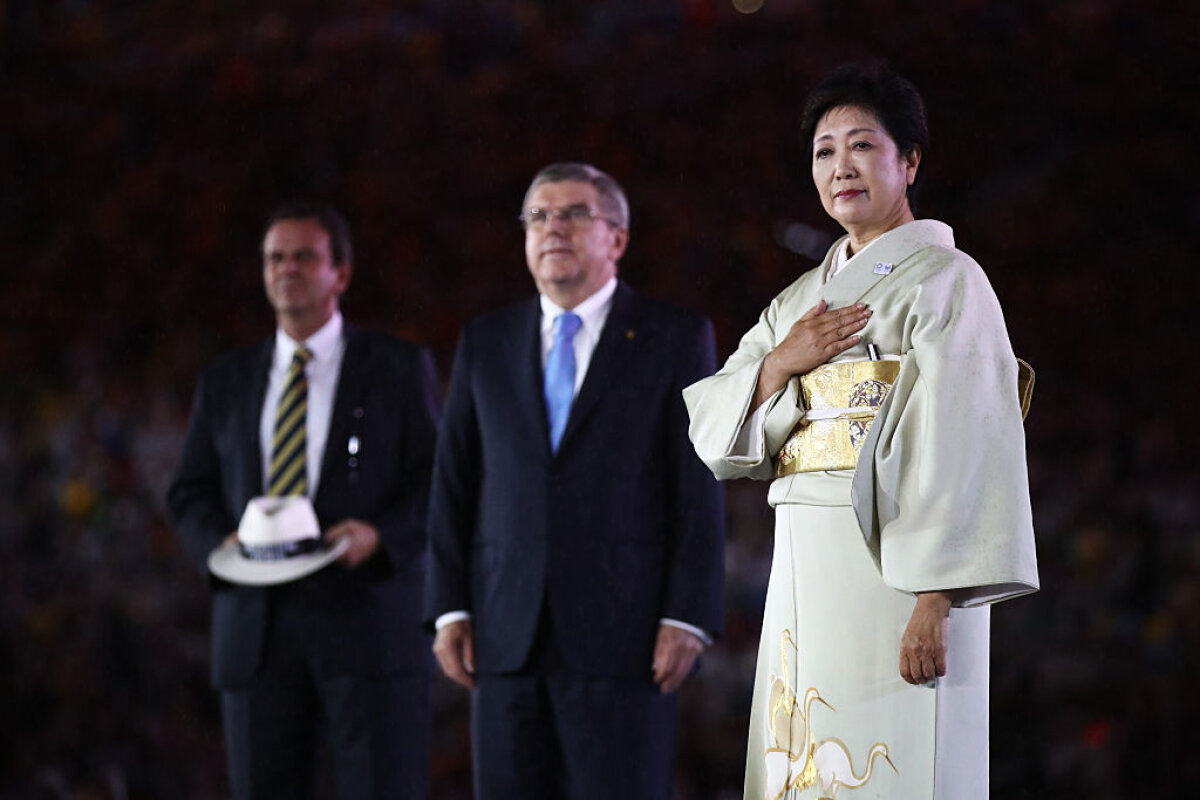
x=834, y=770
x=794, y=760
x=789, y=755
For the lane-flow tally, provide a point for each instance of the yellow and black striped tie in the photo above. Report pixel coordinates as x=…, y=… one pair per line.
x=289, y=471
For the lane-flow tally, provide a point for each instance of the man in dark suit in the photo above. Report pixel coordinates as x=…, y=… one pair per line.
x=344, y=645
x=576, y=541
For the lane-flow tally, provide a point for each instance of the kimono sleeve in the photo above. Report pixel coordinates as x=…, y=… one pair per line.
x=942, y=489
x=719, y=406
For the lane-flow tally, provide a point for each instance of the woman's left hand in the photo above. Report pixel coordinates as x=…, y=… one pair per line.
x=925, y=640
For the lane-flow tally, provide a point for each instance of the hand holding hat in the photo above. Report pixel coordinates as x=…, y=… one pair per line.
x=361, y=538
x=278, y=540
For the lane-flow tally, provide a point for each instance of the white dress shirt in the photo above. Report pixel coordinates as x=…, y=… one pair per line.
x=593, y=312
x=327, y=347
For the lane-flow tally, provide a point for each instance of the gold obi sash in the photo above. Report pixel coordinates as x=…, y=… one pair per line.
x=842, y=399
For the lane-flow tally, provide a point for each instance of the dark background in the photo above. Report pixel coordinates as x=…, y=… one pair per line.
x=143, y=143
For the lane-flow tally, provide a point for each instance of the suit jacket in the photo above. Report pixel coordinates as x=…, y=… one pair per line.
x=367, y=619
x=620, y=528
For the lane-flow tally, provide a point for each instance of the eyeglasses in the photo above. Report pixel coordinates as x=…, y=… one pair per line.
x=576, y=216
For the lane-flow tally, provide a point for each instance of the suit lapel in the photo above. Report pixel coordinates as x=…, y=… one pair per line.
x=252, y=411
x=347, y=403
x=623, y=334
x=527, y=374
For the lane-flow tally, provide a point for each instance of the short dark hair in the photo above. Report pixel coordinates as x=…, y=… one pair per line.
x=328, y=217
x=611, y=196
x=873, y=87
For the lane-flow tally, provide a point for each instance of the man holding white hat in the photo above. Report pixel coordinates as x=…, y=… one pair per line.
x=316, y=445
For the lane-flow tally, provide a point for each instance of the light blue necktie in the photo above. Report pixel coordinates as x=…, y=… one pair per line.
x=560, y=375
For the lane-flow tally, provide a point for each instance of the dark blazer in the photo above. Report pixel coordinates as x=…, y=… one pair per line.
x=369, y=618
x=624, y=526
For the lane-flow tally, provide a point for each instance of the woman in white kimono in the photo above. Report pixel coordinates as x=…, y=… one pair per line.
x=879, y=393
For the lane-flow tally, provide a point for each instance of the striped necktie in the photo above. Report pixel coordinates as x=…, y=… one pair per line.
x=560, y=375
x=289, y=451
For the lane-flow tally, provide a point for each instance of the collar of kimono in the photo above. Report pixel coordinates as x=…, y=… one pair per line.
x=885, y=256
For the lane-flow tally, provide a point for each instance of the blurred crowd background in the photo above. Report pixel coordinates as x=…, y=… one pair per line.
x=143, y=143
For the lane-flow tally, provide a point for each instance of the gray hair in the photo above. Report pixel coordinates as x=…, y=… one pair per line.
x=613, y=204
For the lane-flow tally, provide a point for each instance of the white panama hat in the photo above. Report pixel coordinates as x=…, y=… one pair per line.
x=278, y=540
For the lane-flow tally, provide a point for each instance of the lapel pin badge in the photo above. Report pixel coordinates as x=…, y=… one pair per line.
x=629, y=334
x=882, y=269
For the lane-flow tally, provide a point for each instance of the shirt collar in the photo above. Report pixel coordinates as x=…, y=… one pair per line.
x=592, y=311
x=323, y=344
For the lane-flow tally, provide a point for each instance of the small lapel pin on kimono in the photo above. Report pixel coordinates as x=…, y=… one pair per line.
x=629, y=334
x=882, y=269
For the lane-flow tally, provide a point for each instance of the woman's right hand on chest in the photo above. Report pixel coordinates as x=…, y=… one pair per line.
x=813, y=340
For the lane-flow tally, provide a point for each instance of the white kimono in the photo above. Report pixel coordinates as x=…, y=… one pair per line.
x=939, y=501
